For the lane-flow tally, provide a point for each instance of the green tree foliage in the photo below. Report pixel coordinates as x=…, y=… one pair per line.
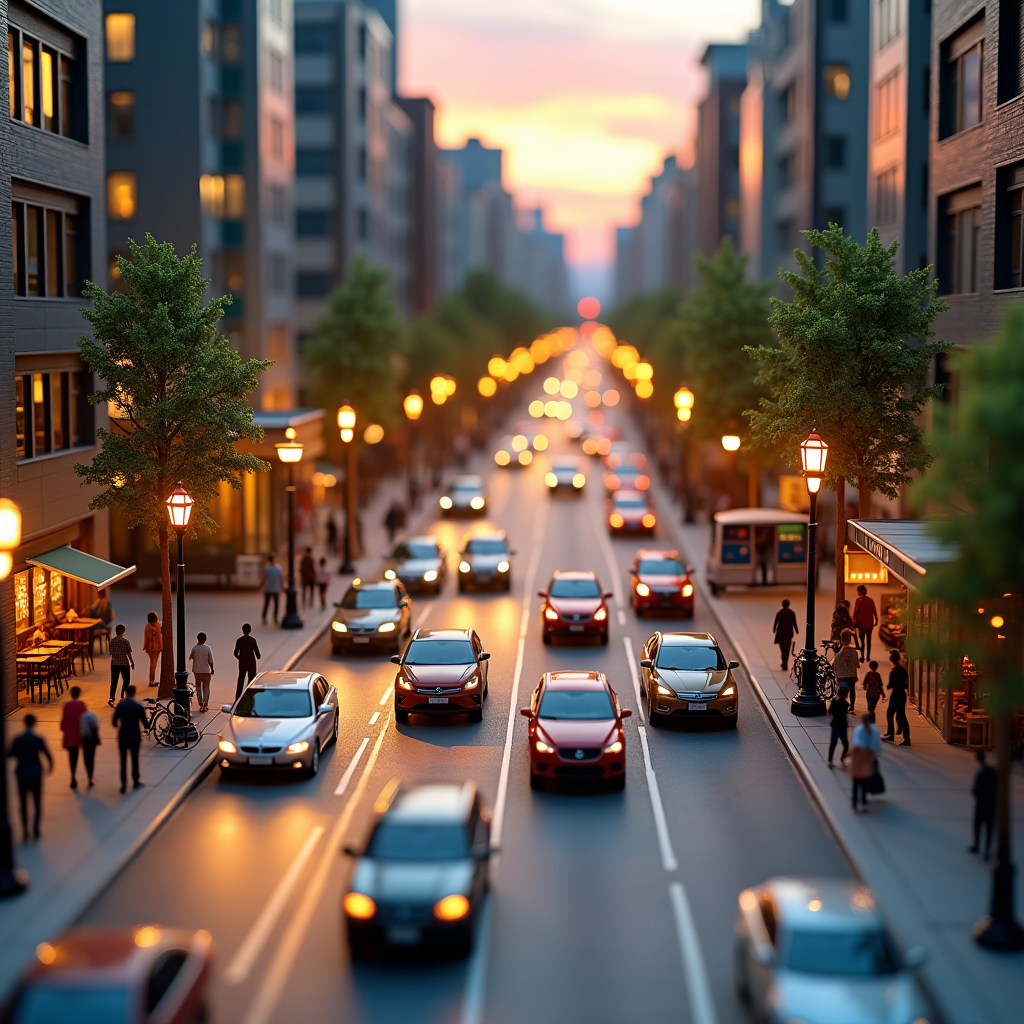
x=651, y=322
x=178, y=394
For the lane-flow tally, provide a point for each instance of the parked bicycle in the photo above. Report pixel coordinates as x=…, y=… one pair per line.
x=825, y=682
x=169, y=728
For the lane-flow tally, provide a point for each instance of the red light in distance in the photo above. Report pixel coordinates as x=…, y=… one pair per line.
x=588, y=308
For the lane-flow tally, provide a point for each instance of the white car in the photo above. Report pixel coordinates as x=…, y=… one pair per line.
x=465, y=497
x=818, y=952
x=485, y=561
x=565, y=475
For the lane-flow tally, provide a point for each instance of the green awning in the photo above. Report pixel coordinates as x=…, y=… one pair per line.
x=81, y=566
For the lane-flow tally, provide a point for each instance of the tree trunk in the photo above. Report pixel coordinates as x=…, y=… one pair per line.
x=753, y=480
x=863, y=499
x=166, y=625
x=840, y=541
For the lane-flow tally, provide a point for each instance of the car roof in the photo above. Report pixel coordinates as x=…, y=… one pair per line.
x=657, y=554
x=630, y=496
x=470, y=480
x=443, y=634
x=431, y=801
x=374, y=585
x=823, y=904
x=484, y=534
x=285, y=679
x=567, y=679
x=419, y=538
x=573, y=574
x=688, y=640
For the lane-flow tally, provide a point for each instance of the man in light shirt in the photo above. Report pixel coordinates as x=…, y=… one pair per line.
x=201, y=657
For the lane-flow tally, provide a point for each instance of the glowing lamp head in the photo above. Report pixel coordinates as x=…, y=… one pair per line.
x=346, y=418
x=683, y=398
x=10, y=525
x=413, y=405
x=731, y=442
x=347, y=434
x=813, y=457
x=289, y=452
x=179, y=508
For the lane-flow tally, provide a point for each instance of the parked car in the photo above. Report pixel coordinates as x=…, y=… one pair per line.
x=371, y=616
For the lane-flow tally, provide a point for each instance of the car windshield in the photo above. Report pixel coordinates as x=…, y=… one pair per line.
x=257, y=702
x=440, y=652
x=854, y=953
x=59, y=1004
x=478, y=546
x=630, y=503
x=467, y=488
x=384, y=598
x=576, y=704
x=685, y=658
x=418, y=842
x=415, y=549
x=574, y=588
x=661, y=567
x=565, y=467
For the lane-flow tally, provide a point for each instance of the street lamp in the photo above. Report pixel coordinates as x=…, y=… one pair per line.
x=12, y=880
x=347, y=426
x=413, y=405
x=683, y=401
x=290, y=452
x=179, y=511
x=731, y=442
x=813, y=456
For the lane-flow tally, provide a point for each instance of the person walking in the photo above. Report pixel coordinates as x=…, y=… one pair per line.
x=785, y=629
x=201, y=657
x=845, y=666
x=873, y=689
x=121, y=662
x=838, y=710
x=332, y=534
x=983, y=789
x=271, y=587
x=71, y=729
x=130, y=719
x=307, y=574
x=89, y=726
x=393, y=520
x=323, y=581
x=899, y=684
x=28, y=749
x=153, y=644
x=247, y=653
x=841, y=619
x=866, y=747
x=865, y=615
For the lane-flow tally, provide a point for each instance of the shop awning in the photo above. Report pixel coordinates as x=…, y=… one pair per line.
x=903, y=546
x=81, y=566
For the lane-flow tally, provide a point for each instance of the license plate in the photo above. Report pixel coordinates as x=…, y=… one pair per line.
x=437, y=700
x=483, y=579
x=360, y=639
x=575, y=629
x=262, y=761
x=404, y=936
x=696, y=707
x=666, y=604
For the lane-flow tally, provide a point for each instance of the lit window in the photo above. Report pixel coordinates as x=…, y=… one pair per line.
x=231, y=44
x=121, y=115
x=120, y=29
x=122, y=195
x=211, y=194
x=837, y=81
x=28, y=81
x=234, y=270
x=234, y=196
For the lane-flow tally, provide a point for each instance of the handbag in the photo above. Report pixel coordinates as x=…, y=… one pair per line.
x=876, y=784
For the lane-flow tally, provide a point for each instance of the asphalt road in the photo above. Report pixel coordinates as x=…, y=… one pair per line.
x=604, y=906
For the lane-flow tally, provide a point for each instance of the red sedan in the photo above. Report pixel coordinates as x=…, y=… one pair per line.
x=661, y=582
x=576, y=730
x=630, y=512
x=574, y=606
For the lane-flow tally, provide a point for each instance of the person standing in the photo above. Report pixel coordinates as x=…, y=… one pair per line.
x=28, y=749
x=845, y=666
x=130, y=719
x=865, y=616
x=323, y=581
x=332, y=534
x=101, y=609
x=873, y=689
x=201, y=657
x=838, y=709
x=899, y=684
x=121, y=661
x=89, y=726
x=247, y=653
x=307, y=574
x=841, y=619
x=71, y=729
x=866, y=747
x=153, y=644
x=393, y=519
x=271, y=587
x=785, y=629
x=983, y=789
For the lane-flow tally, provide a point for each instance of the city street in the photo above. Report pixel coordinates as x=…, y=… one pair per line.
x=604, y=906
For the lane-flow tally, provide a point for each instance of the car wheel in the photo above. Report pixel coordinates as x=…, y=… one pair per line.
x=604, y=639
x=656, y=720
x=732, y=721
x=401, y=716
x=617, y=783
x=715, y=589
x=476, y=716
x=536, y=781
x=546, y=638
x=462, y=588
x=314, y=764
x=337, y=722
x=487, y=687
x=742, y=980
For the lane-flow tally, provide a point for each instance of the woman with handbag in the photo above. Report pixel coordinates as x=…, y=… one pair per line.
x=864, y=751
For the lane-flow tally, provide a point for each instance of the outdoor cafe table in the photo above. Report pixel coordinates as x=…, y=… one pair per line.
x=34, y=662
x=81, y=630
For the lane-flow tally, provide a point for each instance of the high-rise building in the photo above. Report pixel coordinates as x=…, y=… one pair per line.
x=424, y=194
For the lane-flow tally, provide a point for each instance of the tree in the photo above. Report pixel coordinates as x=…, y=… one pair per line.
x=852, y=360
x=180, y=394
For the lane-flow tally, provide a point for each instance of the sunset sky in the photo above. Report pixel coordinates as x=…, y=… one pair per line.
x=586, y=97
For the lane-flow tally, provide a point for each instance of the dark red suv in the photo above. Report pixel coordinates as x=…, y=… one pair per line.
x=574, y=606
x=660, y=581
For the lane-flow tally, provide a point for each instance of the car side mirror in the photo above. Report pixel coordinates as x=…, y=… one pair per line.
x=542, y=593
x=916, y=956
x=349, y=850
x=484, y=655
x=226, y=708
x=396, y=659
x=404, y=603
x=734, y=664
x=337, y=604
x=690, y=569
x=647, y=663
x=526, y=712
x=626, y=713
x=511, y=552
x=325, y=709
x=608, y=596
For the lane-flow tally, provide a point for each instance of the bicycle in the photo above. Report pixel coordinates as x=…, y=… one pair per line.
x=167, y=727
x=825, y=683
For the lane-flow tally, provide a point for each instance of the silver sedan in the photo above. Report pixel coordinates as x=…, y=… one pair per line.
x=419, y=562
x=485, y=561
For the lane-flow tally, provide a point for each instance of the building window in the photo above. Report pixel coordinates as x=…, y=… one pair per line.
x=887, y=105
x=45, y=243
x=231, y=44
x=120, y=33
x=787, y=237
x=362, y=41
x=961, y=72
x=312, y=100
x=52, y=412
x=276, y=138
x=223, y=195
x=361, y=102
x=231, y=120
x=361, y=163
x=234, y=270
x=276, y=62
x=312, y=286
x=961, y=224
x=835, y=215
x=41, y=84
x=888, y=20
x=1010, y=228
x=121, y=115
x=363, y=224
x=312, y=38
x=837, y=10
x=886, y=198
x=312, y=223
x=1011, y=50
x=122, y=195
x=837, y=81
x=835, y=152
x=278, y=204
x=278, y=274
x=309, y=162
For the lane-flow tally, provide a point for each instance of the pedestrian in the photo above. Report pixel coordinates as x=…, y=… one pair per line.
x=27, y=749
x=201, y=657
x=332, y=534
x=101, y=609
x=89, y=726
x=247, y=653
x=866, y=746
x=899, y=684
x=865, y=615
x=838, y=709
x=130, y=719
x=153, y=644
x=271, y=587
x=71, y=729
x=873, y=689
x=841, y=619
x=983, y=789
x=121, y=662
x=323, y=580
x=307, y=574
x=393, y=520
x=845, y=666
x=784, y=629
x=412, y=490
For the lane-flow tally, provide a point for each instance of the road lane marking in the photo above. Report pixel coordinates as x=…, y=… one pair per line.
x=622, y=617
x=423, y=617
x=476, y=972
x=698, y=989
x=350, y=770
x=374, y=717
x=248, y=952
x=631, y=662
x=613, y=567
x=262, y=1008
x=387, y=694
x=668, y=855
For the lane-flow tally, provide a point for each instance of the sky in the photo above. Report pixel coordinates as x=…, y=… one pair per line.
x=586, y=97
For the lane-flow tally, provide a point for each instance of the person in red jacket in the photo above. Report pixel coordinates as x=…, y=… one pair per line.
x=865, y=616
x=71, y=729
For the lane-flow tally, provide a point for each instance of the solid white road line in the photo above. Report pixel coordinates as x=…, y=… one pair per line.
x=698, y=990
x=613, y=567
x=668, y=855
x=274, y=979
x=387, y=694
x=374, y=717
x=248, y=952
x=634, y=675
x=476, y=972
x=351, y=769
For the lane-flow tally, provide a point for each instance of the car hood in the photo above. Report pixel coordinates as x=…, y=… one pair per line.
x=462, y=498
x=565, y=476
x=689, y=681
x=661, y=582
x=390, y=881
x=415, y=566
x=564, y=733
x=630, y=513
x=575, y=605
x=268, y=731
x=433, y=675
x=825, y=999
x=485, y=562
x=367, y=616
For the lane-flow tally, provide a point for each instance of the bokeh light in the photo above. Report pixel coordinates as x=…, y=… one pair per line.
x=588, y=307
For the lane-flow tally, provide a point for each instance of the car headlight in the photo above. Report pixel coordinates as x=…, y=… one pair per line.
x=299, y=747
x=525, y=458
x=615, y=521
x=464, y=566
x=540, y=443
x=649, y=520
x=477, y=503
x=729, y=691
x=404, y=684
x=227, y=747
x=339, y=627
x=473, y=683
x=664, y=691
x=386, y=627
x=543, y=748
x=550, y=614
x=502, y=458
x=451, y=908
x=390, y=574
x=359, y=906
x=614, y=748
x=429, y=576
x=503, y=566
x=550, y=479
x=687, y=590
x=578, y=480
x=445, y=501
x=642, y=589
x=601, y=614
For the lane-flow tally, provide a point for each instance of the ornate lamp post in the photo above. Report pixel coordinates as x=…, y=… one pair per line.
x=412, y=404
x=347, y=426
x=179, y=511
x=813, y=456
x=12, y=880
x=683, y=400
x=290, y=452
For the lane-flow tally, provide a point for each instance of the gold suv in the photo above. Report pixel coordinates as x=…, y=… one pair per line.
x=685, y=675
